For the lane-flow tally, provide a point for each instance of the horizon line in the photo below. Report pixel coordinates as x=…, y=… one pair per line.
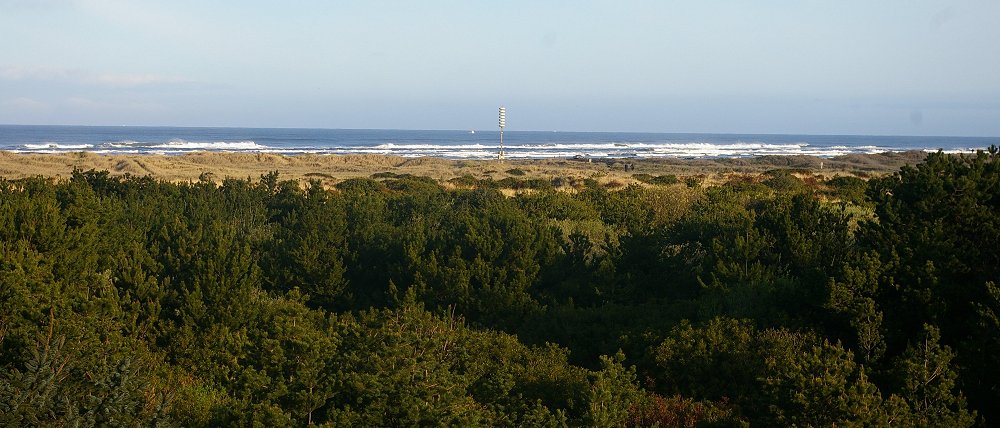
x=497, y=130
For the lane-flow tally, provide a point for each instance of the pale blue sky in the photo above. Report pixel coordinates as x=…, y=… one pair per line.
x=823, y=67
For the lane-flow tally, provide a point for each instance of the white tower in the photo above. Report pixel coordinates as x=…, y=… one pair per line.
x=503, y=122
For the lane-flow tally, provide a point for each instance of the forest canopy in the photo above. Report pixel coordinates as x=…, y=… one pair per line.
x=776, y=300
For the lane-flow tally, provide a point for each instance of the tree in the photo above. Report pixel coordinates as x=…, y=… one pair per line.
x=612, y=393
x=937, y=235
x=929, y=383
x=774, y=377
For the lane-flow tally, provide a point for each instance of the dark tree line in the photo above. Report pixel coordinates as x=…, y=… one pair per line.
x=393, y=301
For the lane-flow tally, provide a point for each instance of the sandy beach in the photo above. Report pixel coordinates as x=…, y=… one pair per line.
x=330, y=169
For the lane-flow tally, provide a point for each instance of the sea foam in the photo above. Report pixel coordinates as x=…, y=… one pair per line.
x=216, y=145
x=56, y=146
x=460, y=144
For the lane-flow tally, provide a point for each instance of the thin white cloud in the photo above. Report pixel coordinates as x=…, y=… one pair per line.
x=120, y=80
x=25, y=104
x=30, y=4
x=34, y=73
x=115, y=107
x=131, y=80
x=81, y=102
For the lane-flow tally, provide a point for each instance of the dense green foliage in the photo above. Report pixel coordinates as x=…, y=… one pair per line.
x=396, y=302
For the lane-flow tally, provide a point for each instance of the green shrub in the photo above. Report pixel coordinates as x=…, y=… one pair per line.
x=515, y=171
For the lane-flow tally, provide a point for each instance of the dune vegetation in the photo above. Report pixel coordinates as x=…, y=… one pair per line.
x=780, y=298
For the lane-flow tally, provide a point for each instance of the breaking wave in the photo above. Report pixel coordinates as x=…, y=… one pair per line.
x=459, y=144
x=56, y=146
x=471, y=151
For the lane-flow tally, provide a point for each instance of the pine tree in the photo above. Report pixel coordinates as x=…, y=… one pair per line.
x=929, y=383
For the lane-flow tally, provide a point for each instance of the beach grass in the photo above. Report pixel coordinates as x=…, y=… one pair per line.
x=331, y=169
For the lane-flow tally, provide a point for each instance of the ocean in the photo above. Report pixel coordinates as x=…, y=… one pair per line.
x=465, y=144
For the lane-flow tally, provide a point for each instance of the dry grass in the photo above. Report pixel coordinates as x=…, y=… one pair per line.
x=331, y=169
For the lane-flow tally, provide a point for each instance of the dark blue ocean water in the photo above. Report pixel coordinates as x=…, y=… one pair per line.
x=458, y=144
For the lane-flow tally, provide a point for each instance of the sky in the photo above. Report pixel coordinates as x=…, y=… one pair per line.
x=892, y=67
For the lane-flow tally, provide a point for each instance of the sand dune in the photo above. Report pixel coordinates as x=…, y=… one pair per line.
x=333, y=168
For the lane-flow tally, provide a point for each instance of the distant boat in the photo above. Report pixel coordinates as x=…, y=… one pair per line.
x=472, y=131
